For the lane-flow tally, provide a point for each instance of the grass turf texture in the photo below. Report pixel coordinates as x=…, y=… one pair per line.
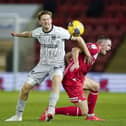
x=110, y=106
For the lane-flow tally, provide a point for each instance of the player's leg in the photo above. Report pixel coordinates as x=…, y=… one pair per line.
x=76, y=97
x=90, y=84
x=68, y=110
x=76, y=94
x=32, y=80
x=75, y=110
x=21, y=103
x=56, y=76
x=83, y=107
x=79, y=109
x=93, y=86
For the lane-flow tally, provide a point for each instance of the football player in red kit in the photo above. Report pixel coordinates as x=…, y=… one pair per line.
x=75, y=81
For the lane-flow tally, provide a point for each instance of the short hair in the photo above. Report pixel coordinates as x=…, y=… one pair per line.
x=102, y=37
x=44, y=12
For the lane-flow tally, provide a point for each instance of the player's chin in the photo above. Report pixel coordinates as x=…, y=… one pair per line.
x=103, y=53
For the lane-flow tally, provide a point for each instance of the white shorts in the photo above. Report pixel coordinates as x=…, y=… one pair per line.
x=40, y=72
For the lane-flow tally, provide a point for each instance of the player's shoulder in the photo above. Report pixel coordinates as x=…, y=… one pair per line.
x=93, y=48
x=59, y=28
x=36, y=32
x=38, y=29
x=62, y=32
x=92, y=45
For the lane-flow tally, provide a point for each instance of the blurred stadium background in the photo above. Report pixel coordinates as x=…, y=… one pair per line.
x=19, y=55
x=100, y=17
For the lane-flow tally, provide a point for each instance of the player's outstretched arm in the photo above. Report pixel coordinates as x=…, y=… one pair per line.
x=68, y=57
x=26, y=34
x=83, y=46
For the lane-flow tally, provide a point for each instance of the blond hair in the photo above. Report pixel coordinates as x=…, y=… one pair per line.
x=44, y=12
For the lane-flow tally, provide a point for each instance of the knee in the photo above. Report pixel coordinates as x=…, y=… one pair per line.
x=85, y=112
x=56, y=80
x=96, y=87
x=83, y=105
x=26, y=88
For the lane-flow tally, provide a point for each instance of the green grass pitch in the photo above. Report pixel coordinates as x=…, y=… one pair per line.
x=110, y=106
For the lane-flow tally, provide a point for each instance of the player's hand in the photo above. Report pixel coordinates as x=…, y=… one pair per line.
x=13, y=33
x=88, y=59
x=74, y=66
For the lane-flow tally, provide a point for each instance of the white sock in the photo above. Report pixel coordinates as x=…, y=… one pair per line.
x=52, y=102
x=20, y=107
x=91, y=114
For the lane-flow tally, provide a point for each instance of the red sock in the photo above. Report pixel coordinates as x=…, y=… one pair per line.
x=92, y=98
x=70, y=110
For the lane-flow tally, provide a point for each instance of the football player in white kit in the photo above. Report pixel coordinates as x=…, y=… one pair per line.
x=51, y=39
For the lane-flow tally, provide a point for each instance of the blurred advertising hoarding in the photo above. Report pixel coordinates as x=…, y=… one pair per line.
x=7, y=24
x=108, y=82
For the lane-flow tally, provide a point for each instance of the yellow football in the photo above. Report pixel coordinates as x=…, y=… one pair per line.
x=75, y=28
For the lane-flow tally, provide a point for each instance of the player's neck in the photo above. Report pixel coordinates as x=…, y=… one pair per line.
x=46, y=30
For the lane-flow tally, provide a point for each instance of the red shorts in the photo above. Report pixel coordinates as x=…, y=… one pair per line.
x=74, y=90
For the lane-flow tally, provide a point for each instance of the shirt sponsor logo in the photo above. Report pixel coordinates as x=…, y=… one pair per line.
x=53, y=37
x=49, y=45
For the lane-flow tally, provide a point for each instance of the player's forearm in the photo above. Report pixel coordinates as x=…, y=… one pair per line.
x=83, y=46
x=75, y=55
x=25, y=34
x=68, y=56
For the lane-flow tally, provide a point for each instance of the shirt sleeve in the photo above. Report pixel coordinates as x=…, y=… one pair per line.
x=35, y=33
x=65, y=34
x=93, y=50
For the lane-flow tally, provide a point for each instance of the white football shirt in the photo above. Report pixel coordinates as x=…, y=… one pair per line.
x=52, y=44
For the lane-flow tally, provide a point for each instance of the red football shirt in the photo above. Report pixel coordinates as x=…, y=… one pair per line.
x=79, y=73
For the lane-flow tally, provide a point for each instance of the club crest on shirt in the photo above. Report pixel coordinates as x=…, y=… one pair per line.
x=53, y=37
